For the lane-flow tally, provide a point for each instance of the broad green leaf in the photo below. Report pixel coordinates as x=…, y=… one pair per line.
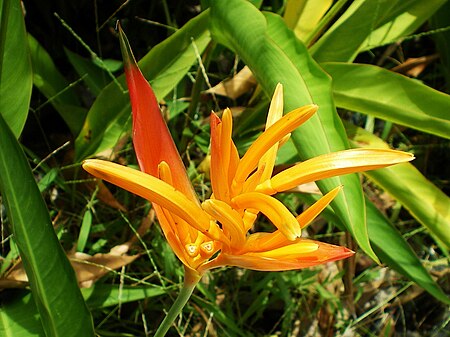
x=302, y=16
x=94, y=77
x=368, y=24
x=15, y=66
x=52, y=280
x=390, y=96
x=400, y=21
x=49, y=81
x=104, y=295
x=391, y=247
x=165, y=65
x=274, y=55
x=427, y=203
x=18, y=315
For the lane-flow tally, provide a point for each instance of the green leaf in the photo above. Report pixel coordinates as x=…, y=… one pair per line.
x=165, y=65
x=274, y=55
x=104, y=295
x=18, y=315
x=393, y=250
x=390, y=96
x=94, y=77
x=52, y=280
x=48, y=80
x=426, y=203
x=368, y=24
x=400, y=20
x=15, y=66
x=84, y=230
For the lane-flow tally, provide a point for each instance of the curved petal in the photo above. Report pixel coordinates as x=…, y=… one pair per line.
x=267, y=139
x=156, y=191
x=298, y=255
x=333, y=164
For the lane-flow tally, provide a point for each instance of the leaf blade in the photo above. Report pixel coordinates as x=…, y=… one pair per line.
x=54, y=287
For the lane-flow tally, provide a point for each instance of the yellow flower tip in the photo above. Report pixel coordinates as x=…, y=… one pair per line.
x=273, y=209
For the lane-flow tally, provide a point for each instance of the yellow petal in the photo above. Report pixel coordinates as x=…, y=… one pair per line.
x=154, y=190
x=305, y=218
x=266, y=140
x=267, y=161
x=232, y=224
x=333, y=164
x=277, y=213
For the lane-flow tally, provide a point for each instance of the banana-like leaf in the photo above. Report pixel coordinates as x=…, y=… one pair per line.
x=49, y=81
x=62, y=309
x=426, y=203
x=274, y=55
x=165, y=65
x=368, y=24
x=15, y=67
x=302, y=16
x=400, y=20
x=390, y=96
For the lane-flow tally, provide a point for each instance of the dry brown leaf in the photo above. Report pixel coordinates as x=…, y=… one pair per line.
x=414, y=66
x=236, y=86
x=88, y=269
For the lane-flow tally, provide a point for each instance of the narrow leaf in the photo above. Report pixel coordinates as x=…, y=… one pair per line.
x=15, y=66
x=49, y=81
x=390, y=96
x=52, y=279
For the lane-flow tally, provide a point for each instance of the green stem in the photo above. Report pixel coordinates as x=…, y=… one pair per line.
x=191, y=279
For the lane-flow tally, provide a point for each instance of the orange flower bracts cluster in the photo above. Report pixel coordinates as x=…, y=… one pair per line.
x=217, y=231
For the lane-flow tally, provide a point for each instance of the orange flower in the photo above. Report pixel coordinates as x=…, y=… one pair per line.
x=218, y=231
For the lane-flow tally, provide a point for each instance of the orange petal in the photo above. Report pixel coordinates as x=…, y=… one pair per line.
x=267, y=139
x=305, y=218
x=156, y=191
x=277, y=213
x=302, y=253
x=333, y=164
x=151, y=138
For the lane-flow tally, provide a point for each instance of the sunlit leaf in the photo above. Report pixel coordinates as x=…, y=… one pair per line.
x=390, y=96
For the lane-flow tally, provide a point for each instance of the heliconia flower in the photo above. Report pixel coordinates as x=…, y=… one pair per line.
x=218, y=231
